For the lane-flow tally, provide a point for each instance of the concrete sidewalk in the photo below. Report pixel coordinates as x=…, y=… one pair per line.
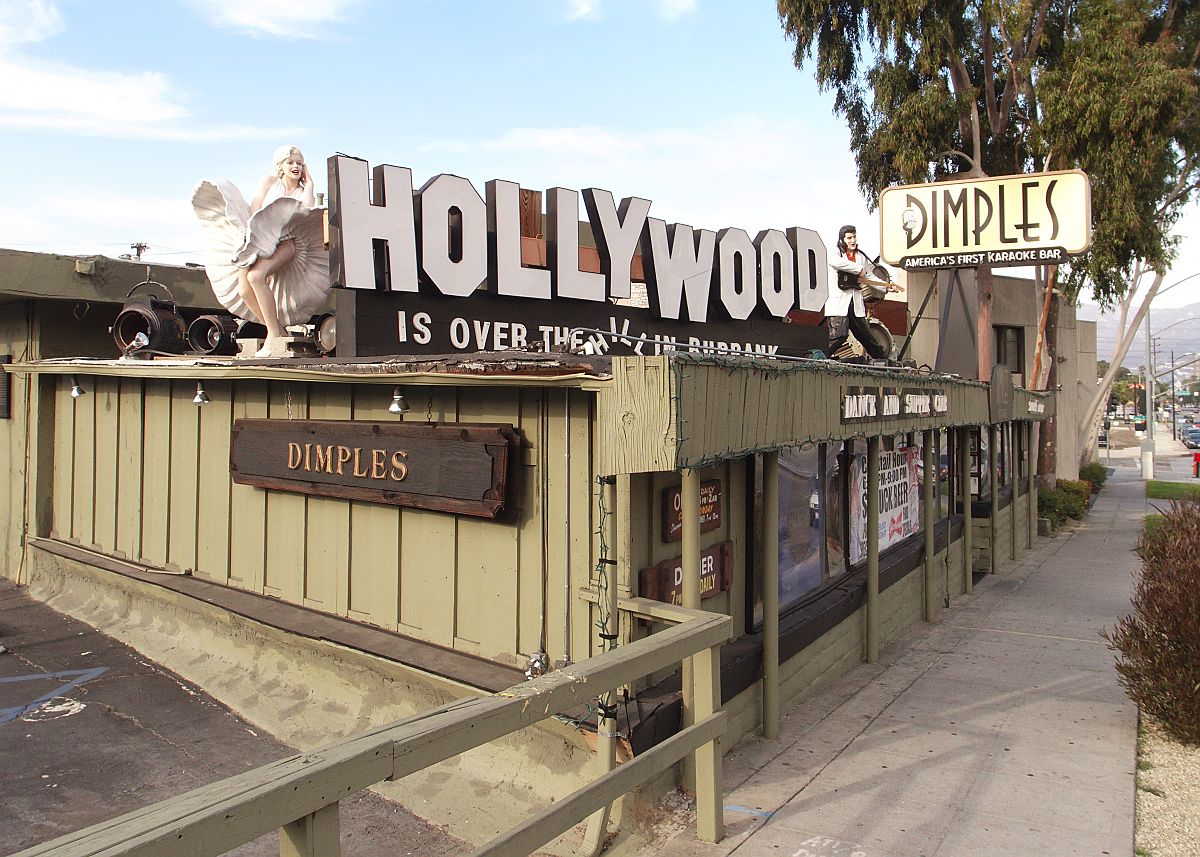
x=999, y=729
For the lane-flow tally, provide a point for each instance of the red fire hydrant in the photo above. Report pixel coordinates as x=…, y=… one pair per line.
x=1196, y=465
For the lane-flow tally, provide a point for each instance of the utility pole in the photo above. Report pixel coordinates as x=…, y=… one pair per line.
x=1148, y=438
x=1174, y=422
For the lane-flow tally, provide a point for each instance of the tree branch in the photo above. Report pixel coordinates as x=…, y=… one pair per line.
x=1168, y=21
x=960, y=78
x=1036, y=36
x=989, y=81
x=955, y=153
x=1183, y=186
x=1120, y=349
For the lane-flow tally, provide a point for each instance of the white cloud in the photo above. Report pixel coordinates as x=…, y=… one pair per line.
x=747, y=171
x=24, y=21
x=672, y=9
x=105, y=104
x=583, y=10
x=31, y=88
x=591, y=10
x=93, y=102
x=279, y=18
x=88, y=220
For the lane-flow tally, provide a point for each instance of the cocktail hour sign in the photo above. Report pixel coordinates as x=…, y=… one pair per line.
x=441, y=269
x=1029, y=219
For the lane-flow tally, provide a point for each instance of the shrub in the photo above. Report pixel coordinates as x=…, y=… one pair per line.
x=1094, y=472
x=1158, y=645
x=1050, y=505
x=1068, y=500
x=1077, y=493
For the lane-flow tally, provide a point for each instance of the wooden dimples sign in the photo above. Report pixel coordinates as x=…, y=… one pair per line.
x=463, y=469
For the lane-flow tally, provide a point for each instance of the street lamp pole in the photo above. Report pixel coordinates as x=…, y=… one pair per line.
x=1174, y=421
x=1148, y=438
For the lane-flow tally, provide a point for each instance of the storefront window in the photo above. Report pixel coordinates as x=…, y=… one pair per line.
x=809, y=525
x=981, y=482
x=945, y=486
x=1002, y=455
x=899, y=498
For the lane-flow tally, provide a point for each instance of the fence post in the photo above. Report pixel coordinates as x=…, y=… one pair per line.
x=770, y=596
x=928, y=517
x=1031, y=457
x=606, y=724
x=689, y=506
x=710, y=778
x=994, y=482
x=1014, y=469
x=317, y=834
x=964, y=475
x=872, y=608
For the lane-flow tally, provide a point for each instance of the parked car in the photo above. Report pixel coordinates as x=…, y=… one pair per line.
x=1191, y=437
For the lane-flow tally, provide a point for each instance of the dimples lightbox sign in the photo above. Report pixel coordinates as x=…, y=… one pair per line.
x=1029, y=219
x=440, y=269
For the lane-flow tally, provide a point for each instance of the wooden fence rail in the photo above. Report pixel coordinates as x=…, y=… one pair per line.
x=299, y=795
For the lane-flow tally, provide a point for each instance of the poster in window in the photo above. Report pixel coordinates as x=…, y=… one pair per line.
x=899, y=496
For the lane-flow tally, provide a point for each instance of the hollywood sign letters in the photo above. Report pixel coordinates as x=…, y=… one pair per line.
x=410, y=250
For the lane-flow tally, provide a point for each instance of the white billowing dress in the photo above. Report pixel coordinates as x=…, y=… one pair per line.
x=235, y=239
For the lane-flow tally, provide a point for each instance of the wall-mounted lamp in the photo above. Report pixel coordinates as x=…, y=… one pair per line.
x=399, y=404
x=201, y=397
x=76, y=390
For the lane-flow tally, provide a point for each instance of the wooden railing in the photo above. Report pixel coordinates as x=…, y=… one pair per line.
x=299, y=795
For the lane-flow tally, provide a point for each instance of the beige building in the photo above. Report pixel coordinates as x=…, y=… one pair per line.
x=831, y=509
x=1016, y=308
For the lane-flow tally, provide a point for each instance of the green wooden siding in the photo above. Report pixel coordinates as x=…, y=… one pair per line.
x=140, y=472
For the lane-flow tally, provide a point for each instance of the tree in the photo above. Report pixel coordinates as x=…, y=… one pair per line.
x=1122, y=104
x=986, y=87
x=929, y=89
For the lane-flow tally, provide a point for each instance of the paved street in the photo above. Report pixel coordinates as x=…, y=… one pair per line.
x=90, y=729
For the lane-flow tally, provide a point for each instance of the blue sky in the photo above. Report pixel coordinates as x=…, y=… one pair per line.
x=110, y=113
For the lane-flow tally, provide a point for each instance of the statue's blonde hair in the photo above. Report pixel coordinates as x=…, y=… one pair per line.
x=282, y=154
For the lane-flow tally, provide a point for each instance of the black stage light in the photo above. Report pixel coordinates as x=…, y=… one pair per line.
x=156, y=320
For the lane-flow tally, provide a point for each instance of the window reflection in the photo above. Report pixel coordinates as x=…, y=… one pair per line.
x=810, y=524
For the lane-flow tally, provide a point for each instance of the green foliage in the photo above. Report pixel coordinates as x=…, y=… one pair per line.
x=930, y=89
x=1121, y=105
x=1124, y=392
x=1068, y=500
x=1158, y=490
x=1095, y=473
x=917, y=82
x=1158, y=645
x=1077, y=493
x=1151, y=527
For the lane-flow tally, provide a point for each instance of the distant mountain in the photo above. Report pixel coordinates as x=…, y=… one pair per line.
x=1179, y=326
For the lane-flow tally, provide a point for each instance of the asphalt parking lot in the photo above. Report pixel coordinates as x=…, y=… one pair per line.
x=91, y=729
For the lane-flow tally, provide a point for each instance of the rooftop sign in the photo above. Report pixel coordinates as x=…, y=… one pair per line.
x=1031, y=219
x=441, y=269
